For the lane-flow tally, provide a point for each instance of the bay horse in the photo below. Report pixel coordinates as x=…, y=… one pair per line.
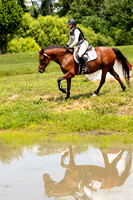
x=105, y=61
x=88, y=178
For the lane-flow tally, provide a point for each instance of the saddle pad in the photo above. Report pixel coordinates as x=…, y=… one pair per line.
x=90, y=55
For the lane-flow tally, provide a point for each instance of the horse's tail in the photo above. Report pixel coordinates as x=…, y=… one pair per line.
x=124, y=62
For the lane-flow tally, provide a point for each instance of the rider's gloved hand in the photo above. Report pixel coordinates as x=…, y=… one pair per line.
x=67, y=47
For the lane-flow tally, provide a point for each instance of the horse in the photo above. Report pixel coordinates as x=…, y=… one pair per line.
x=105, y=61
x=83, y=180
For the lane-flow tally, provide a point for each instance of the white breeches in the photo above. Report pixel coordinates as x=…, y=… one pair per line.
x=82, y=48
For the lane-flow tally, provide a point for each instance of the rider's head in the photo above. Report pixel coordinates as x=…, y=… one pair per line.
x=72, y=23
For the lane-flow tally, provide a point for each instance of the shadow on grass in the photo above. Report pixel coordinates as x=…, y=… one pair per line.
x=78, y=96
x=87, y=95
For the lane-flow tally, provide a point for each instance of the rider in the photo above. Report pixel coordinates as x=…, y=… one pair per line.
x=77, y=38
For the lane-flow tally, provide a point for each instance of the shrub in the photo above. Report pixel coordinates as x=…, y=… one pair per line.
x=96, y=39
x=22, y=45
x=25, y=26
x=45, y=30
x=98, y=24
x=48, y=30
x=123, y=38
x=55, y=30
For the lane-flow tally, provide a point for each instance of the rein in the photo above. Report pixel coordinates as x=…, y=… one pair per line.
x=53, y=60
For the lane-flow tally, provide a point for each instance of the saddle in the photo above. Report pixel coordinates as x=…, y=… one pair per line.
x=90, y=54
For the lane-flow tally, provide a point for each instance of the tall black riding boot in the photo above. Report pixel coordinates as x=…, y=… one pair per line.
x=84, y=60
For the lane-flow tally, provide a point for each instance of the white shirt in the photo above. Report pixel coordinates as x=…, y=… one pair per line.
x=74, y=38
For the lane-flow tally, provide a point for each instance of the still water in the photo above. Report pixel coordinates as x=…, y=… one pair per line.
x=57, y=171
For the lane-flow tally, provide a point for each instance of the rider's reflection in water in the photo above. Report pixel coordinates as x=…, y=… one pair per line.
x=80, y=181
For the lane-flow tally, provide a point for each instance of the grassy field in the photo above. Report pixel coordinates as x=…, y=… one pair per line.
x=32, y=109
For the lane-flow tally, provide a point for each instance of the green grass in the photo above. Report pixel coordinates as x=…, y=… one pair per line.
x=32, y=109
x=19, y=63
x=128, y=52
x=20, y=138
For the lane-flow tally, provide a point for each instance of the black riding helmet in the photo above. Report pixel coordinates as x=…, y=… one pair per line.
x=72, y=21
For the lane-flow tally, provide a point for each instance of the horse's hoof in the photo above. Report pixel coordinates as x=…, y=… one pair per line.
x=94, y=95
x=123, y=88
x=65, y=153
x=66, y=98
x=63, y=90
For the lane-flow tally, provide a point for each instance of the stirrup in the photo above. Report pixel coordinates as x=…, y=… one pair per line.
x=85, y=69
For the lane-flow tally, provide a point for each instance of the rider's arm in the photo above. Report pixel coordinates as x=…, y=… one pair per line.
x=69, y=41
x=76, y=34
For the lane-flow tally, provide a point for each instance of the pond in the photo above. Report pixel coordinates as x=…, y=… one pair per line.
x=58, y=171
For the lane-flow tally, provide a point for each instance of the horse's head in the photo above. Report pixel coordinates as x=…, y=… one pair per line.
x=43, y=61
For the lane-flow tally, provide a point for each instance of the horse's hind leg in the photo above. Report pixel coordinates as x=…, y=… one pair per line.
x=116, y=76
x=104, y=72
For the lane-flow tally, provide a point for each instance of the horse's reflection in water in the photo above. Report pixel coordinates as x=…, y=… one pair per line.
x=80, y=181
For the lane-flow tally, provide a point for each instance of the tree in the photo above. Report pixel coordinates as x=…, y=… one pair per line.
x=10, y=20
x=63, y=6
x=119, y=14
x=34, y=8
x=74, y=6
x=41, y=7
x=46, y=7
x=22, y=4
x=97, y=23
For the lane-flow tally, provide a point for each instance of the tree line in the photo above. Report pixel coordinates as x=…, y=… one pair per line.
x=28, y=24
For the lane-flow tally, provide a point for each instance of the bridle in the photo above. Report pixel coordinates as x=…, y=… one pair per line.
x=50, y=60
x=43, y=62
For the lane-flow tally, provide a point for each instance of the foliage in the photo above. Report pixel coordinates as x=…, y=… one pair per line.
x=119, y=13
x=22, y=4
x=116, y=13
x=41, y=7
x=44, y=30
x=62, y=7
x=123, y=37
x=10, y=20
x=80, y=8
x=22, y=45
x=103, y=22
x=96, y=39
x=46, y=7
x=53, y=30
x=103, y=16
x=98, y=24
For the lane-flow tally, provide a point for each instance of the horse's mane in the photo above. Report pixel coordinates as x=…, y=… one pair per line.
x=53, y=46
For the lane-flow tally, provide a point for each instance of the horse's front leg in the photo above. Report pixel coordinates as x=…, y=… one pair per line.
x=68, y=77
x=60, y=85
x=65, y=154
